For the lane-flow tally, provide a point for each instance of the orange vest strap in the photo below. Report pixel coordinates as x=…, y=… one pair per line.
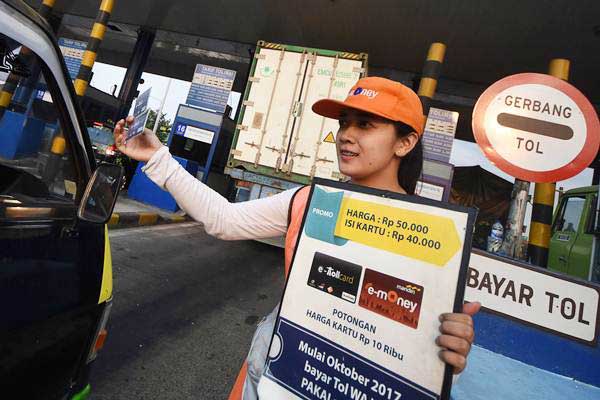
x=238, y=387
x=295, y=214
x=297, y=206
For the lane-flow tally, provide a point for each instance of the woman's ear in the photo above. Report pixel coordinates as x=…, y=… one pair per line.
x=405, y=144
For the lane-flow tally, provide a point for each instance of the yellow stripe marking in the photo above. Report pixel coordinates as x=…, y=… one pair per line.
x=559, y=68
x=544, y=193
x=540, y=234
x=80, y=87
x=58, y=145
x=178, y=219
x=98, y=31
x=436, y=52
x=427, y=87
x=5, y=98
x=89, y=57
x=107, y=5
x=107, y=278
x=114, y=219
x=147, y=218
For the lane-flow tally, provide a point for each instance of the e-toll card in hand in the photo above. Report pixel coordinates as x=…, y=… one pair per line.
x=371, y=274
x=140, y=115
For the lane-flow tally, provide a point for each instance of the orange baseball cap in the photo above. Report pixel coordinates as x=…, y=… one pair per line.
x=379, y=96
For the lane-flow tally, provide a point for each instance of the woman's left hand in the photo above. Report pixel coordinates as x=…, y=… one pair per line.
x=457, y=336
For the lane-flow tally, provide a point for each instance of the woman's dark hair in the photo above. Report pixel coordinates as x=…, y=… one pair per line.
x=412, y=163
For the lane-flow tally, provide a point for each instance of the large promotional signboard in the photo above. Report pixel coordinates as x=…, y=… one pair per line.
x=553, y=302
x=371, y=274
x=536, y=127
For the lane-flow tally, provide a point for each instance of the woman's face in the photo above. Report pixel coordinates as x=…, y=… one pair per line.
x=369, y=149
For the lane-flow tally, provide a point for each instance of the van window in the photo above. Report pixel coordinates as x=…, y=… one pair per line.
x=570, y=215
x=35, y=159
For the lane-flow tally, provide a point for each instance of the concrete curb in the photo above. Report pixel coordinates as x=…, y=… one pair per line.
x=135, y=219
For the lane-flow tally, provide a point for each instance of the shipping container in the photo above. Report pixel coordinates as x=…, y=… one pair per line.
x=277, y=133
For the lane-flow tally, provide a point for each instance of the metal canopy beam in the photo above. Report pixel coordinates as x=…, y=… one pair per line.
x=486, y=40
x=135, y=68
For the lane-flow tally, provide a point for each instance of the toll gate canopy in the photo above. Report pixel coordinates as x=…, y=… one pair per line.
x=486, y=40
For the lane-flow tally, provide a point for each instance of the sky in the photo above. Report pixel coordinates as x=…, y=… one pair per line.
x=463, y=153
x=106, y=76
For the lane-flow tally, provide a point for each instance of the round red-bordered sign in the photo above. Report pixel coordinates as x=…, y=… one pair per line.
x=544, y=102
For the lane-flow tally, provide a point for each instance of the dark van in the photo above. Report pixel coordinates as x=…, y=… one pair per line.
x=55, y=263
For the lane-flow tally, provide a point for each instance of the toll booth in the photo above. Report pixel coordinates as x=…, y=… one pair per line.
x=30, y=123
x=194, y=136
x=192, y=142
x=20, y=135
x=436, y=180
x=144, y=190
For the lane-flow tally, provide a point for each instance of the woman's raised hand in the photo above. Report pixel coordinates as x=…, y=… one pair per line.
x=141, y=147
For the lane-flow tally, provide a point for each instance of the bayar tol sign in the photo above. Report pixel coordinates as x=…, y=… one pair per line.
x=535, y=296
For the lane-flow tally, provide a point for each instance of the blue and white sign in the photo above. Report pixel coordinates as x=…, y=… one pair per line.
x=140, y=114
x=439, y=134
x=210, y=88
x=329, y=371
x=72, y=51
x=141, y=103
x=138, y=126
x=180, y=129
x=196, y=133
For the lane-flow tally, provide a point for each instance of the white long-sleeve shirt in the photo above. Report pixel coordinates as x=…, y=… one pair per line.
x=255, y=219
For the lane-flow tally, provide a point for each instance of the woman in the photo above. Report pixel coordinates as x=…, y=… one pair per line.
x=378, y=146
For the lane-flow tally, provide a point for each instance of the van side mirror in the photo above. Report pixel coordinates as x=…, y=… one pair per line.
x=101, y=194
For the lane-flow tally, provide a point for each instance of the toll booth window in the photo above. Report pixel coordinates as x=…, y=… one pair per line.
x=35, y=160
x=570, y=215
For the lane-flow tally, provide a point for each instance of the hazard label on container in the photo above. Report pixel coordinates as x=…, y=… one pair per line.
x=329, y=138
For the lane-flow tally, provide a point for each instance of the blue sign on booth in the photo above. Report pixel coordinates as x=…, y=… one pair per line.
x=72, y=51
x=201, y=126
x=210, y=88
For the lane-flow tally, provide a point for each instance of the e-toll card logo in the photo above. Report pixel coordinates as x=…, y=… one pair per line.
x=334, y=276
x=391, y=297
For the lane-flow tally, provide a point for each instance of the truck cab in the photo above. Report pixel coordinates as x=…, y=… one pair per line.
x=55, y=264
x=574, y=242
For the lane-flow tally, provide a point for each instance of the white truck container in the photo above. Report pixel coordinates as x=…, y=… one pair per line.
x=279, y=142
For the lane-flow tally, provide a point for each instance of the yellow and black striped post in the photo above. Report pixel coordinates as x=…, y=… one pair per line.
x=89, y=56
x=12, y=81
x=8, y=90
x=543, y=197
x=431, y=73
x=46, y=8
x=81, y=83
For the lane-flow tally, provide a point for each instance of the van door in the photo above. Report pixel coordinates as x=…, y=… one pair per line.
x=50, y=263
x=570, y=246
